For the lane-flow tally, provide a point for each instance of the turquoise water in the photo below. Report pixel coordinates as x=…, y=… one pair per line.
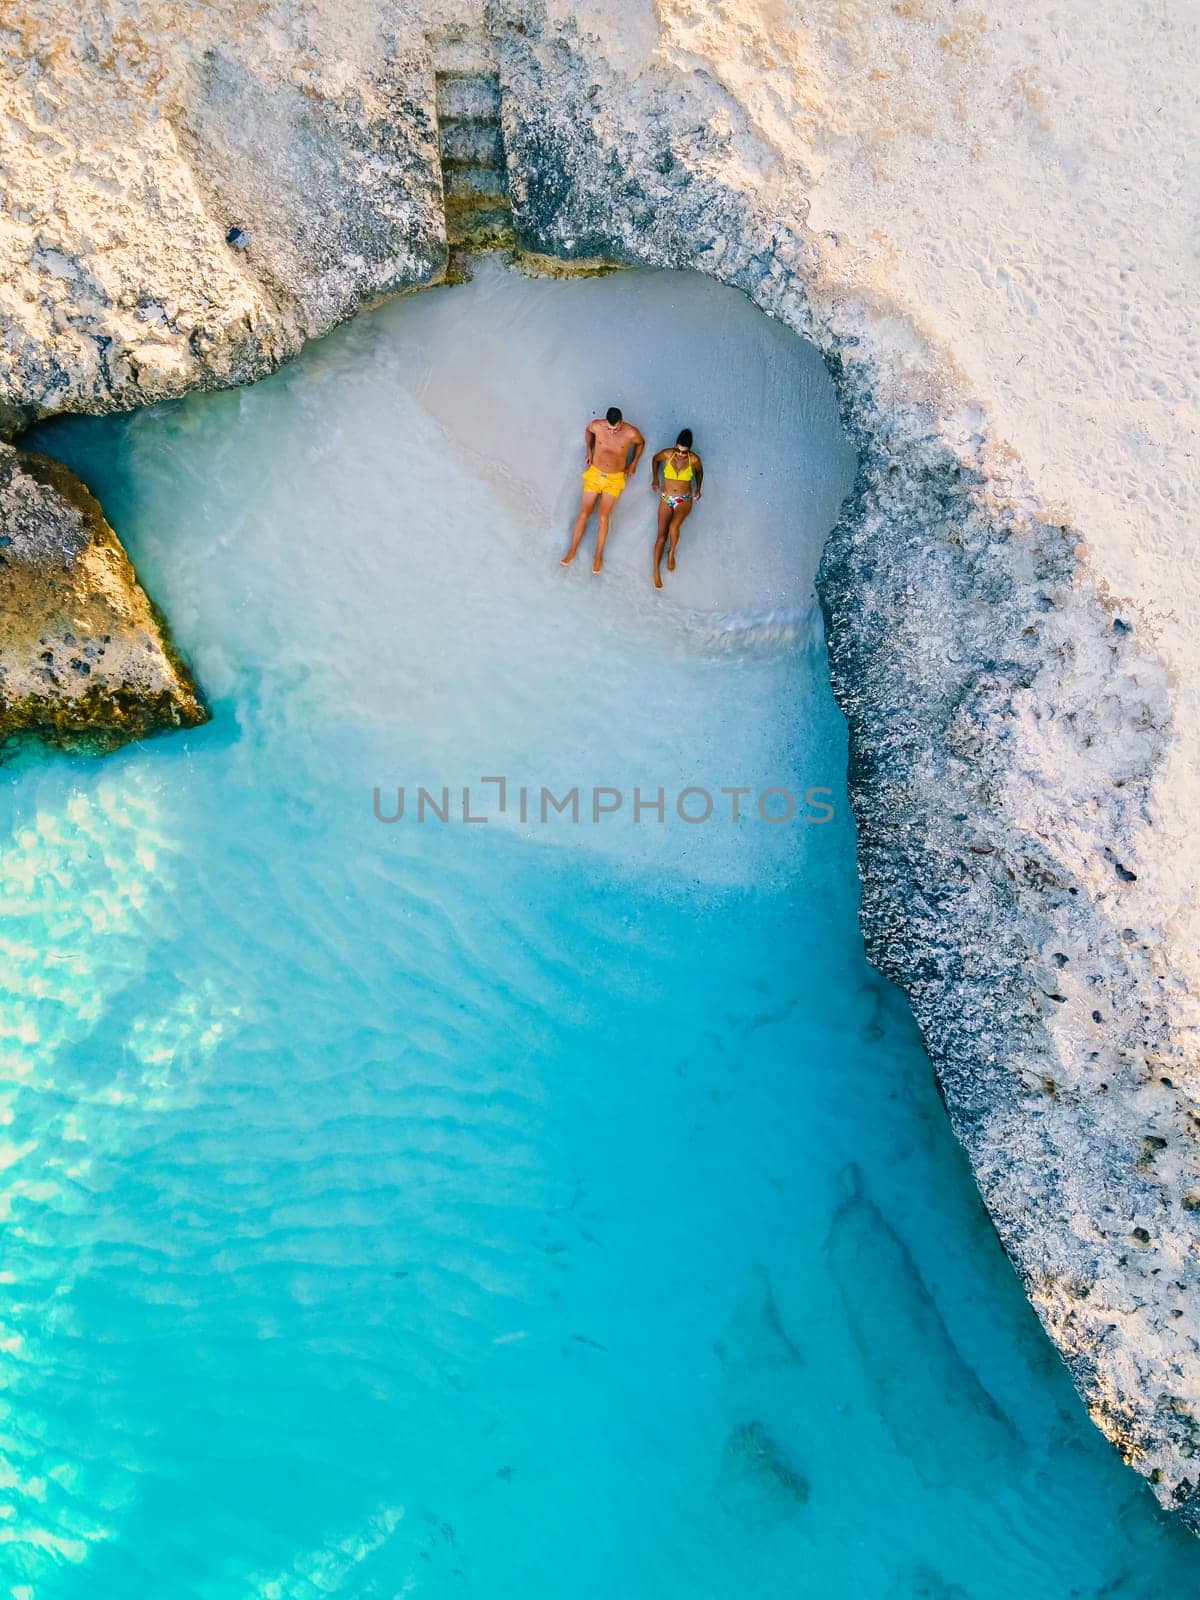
x=509, y=1210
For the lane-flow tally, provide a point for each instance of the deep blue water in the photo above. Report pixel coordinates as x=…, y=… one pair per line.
x=503, y=1210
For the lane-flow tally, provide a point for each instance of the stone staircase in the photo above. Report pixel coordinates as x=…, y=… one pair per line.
x=474, y=176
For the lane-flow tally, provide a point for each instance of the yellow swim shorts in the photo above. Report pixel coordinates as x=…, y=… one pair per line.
x=597, y=482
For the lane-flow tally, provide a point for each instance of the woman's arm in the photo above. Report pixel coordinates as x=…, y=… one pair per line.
x=698, y=469
x=654, y=466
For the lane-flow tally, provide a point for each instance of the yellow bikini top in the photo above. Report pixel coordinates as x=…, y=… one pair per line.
x=669, y=469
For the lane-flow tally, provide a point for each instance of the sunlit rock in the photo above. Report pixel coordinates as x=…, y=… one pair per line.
x=84, y=659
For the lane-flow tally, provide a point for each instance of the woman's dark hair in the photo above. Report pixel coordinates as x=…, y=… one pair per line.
x=684, y=440
x=613, y=415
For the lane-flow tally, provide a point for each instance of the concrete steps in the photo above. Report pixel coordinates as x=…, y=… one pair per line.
x=458, y=52
x=469, y=94
x=485, y=184
x=471, y=141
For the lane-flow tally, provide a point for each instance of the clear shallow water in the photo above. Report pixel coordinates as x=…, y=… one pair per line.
x=495, y=1210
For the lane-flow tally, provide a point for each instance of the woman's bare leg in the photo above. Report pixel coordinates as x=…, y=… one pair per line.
x=678, y=518
x=660, y=544
x=581, y=522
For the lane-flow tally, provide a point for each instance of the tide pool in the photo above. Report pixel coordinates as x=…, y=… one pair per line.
x=507, y=1209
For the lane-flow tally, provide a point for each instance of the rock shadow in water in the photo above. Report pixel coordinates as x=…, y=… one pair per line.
x=756, y=1336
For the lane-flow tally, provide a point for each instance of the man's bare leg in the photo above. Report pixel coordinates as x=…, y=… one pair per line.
x=580, y=528
x=607, y=502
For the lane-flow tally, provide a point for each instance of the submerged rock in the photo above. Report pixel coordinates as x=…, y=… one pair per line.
x=84, y=659
x=755, y=1482
x=926, y=1583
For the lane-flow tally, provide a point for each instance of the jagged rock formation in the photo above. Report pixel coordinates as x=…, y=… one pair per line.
x=1001, y=801
x=950, y=221
x=131, y=152
x=83, y=657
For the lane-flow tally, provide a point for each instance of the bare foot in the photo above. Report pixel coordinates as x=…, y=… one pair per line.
x=567, y=560
x=671, y=562
x=598, y=566
x=658, y=580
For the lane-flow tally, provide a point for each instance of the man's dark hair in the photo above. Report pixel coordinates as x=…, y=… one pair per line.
x=684, y=440
x=613, y=415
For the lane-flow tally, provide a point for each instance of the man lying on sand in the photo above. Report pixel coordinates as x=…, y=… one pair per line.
x=609, y=440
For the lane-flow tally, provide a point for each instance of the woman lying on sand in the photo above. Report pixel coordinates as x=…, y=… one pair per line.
x=683, y=473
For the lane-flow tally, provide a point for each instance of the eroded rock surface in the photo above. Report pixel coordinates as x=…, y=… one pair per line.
x=83, y=657
x=133, y=147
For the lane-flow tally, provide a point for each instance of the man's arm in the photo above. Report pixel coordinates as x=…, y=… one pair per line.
x=639, y=444
x=589, y=442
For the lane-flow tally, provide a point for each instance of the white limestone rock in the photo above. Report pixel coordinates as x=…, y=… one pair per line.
x=134, y=141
